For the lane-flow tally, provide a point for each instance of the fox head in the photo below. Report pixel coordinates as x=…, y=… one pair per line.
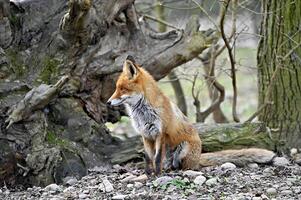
x=129, y=86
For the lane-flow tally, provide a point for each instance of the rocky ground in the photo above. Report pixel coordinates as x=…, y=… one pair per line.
x=281, y=180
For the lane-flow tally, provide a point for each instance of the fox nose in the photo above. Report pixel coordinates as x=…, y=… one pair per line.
x=109, y=103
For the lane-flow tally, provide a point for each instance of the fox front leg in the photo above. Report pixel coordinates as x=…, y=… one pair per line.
x=149, y=155
x=160, y=153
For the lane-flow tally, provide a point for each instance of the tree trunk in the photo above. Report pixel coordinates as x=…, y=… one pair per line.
x=58, y=66
x=279, y=71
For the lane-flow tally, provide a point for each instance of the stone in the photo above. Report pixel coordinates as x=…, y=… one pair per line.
x=86, y=191
x=200, y=180
x=83, y=196
x=128, y=178
x=106, y=186
x=119, y=197
x=192, y=173
x=138, y=184
x=162, y=180
x=228, y=166
x=271, y=191
x=256, y=198
x=264, y=197
x=141, y=178
x=211, y=181
x=53, y=187
x=69, y=180
x=286, y=192
x=253, y=165
x=268, y=171
x=68, y=189
x=281, y=161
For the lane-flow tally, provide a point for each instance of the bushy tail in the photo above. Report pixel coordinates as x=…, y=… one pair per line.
x=238, y=157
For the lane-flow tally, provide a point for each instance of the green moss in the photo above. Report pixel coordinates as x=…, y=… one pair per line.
x=17, y=65
x=232, y=138
x=54, y=140
x=49, y=71
x=14, y=20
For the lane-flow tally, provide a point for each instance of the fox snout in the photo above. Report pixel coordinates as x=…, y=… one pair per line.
x=115, y=101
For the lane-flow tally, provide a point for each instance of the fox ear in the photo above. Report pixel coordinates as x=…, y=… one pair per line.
x=130, y=69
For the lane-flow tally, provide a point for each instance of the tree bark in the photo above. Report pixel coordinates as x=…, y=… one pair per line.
x=48, y=130
x=279, y=70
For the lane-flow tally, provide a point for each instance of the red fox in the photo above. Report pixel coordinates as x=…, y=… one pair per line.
x=162, y=125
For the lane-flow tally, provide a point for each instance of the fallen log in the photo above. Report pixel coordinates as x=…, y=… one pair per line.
x=215, y=137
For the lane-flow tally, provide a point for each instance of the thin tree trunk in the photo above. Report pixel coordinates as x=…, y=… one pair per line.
x=279, y=71
x=218, y=115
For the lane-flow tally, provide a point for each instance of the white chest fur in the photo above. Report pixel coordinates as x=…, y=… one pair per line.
x=145, y=118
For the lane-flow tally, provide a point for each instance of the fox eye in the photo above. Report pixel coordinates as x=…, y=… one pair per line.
x=124, y=89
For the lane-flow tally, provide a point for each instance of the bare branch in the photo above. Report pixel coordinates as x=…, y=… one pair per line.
x=224, y=8
x=160, y=21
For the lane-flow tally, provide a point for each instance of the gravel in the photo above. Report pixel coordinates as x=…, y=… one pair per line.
x=247, y=183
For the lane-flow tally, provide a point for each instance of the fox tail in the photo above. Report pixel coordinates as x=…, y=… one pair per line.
x=240, y=157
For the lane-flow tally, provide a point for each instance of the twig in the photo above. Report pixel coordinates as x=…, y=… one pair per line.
x=224, y=8
x=204, y=11
x=258, y=111
x=160, y=21
x=291, y=51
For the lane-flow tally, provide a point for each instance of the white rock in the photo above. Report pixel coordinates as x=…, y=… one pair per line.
x=83, y=196
x=68, y=189
x=256, y=198
x=138, y=184
x=211, y=181
x=228, y=166
x=192, y=173
x=106, y=186
x=253, y=165
x=118, y=197
x=141, y=178
x=268, y=171
x=70, y=181
x=162, y=180
x=199, y=180
x=287, y=192
x=130, y=185
x=86, y=191
x=53, y=187
x=281, y=161
x=129, y=178
x=264, y=197
x=271, y=191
